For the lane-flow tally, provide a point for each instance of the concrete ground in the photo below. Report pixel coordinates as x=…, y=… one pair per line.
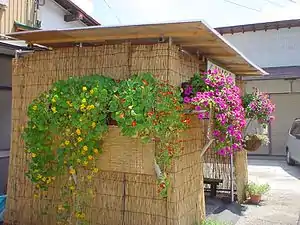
x=282, y=205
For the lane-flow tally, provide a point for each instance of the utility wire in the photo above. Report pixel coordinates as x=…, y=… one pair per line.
x=119, y=20
x=244, y=6
x=274, y=3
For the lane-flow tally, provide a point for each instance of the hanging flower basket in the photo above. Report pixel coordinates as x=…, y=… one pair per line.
x=252, y=143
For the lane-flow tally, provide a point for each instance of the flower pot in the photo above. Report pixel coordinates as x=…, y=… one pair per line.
x=252, y=144
x=255, y=199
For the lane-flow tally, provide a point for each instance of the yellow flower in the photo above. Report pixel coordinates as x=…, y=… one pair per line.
x=83, y=100
x=49, y=181
x=93, y=124
x=35, y=196
x=72, y=188
x=80, y=215
x=44, y=179
x=90, y=157
x=84, y=88
x=37, y=186
x=83, y=153
x=69, y=103
x=82, y=107
x=72, y=171
x=91, y=91
x=78, y=131
x=95, y=170
x=89, y=177
x=78, y=160
x=53, y=100
x=33, y=155
x=95, y=151
x=85, y=148
x=90, y=107
x=39, y=176
x=60, y=208
x=53, y=109
x=67, y=142
x=34, y=107
x=33, y=126
x=85, y=163
x=79, y=139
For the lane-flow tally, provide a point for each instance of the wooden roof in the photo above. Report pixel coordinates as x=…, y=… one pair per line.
x=194, y=37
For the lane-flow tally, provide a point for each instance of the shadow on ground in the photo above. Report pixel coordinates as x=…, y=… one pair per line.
x=221, y=209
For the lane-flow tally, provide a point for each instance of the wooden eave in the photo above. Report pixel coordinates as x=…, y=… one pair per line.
x=194, y=37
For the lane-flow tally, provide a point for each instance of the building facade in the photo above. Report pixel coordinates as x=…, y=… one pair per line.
x=42, y=14
x=275, y=47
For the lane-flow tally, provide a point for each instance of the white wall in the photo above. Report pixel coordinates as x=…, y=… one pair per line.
x=52, y=17
x=271, y=48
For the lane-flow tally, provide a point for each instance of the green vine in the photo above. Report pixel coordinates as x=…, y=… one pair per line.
x=66, y=125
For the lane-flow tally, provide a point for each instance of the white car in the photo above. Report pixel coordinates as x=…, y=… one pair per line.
x=293, y=144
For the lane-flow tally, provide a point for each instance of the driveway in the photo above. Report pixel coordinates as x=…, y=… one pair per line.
x=282, y=205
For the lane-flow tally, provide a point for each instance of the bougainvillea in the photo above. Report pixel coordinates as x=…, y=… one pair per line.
x=218, y=92
x=258, y=106
x=66, y=125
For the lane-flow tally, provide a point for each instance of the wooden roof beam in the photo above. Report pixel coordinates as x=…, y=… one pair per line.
x=201, y=44
x=103, y=38
x=245, y=72
x=219, y=56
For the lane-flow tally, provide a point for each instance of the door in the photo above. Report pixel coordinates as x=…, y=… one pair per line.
x=287, y=109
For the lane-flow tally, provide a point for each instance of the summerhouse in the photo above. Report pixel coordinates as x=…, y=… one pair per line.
x=126, y=186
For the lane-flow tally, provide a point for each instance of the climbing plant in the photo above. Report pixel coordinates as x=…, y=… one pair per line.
x=66, y=125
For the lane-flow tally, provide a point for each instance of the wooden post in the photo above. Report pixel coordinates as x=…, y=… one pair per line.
x=240, y=161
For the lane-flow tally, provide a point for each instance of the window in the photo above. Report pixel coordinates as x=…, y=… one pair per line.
x=295, y=130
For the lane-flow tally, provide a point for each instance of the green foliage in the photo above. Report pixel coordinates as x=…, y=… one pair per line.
x=257, y=189
x=151, y=110
x=66, y=125
x=198, y=83
x=212, y=222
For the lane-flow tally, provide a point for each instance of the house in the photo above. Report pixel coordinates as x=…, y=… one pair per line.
x=275, y=47
x=20, y=15
x=42, y=14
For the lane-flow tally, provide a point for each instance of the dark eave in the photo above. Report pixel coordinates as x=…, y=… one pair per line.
x=278, y=73
x=72, y=7
x=259, y=26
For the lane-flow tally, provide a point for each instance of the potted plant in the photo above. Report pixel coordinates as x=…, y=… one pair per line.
x=253, y=141
x=255, y=191
x=258, y=107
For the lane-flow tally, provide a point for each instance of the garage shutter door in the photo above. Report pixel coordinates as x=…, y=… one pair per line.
x=287, y=109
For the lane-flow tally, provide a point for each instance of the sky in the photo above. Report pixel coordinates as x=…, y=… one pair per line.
x=215, y=12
